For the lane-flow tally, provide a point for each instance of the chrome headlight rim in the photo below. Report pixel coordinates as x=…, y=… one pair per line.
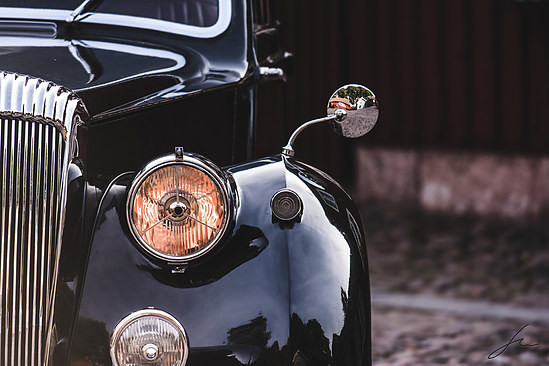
x=205, y=166
x=151, y=312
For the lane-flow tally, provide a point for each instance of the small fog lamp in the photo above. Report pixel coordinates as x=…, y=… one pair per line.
x=286, y=205
x=149, y=337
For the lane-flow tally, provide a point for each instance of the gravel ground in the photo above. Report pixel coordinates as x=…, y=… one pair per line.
x=402, y=337
x=465, y=256
x=462, y=257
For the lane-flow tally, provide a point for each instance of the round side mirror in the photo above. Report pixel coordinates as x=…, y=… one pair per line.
x=361, y=107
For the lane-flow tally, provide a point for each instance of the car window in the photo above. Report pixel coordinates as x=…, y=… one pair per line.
x=199, y=13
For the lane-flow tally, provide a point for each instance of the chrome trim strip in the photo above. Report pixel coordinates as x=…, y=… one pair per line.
x=37, y=134
x=179, y=61
x=28, y=28
x=222, y=24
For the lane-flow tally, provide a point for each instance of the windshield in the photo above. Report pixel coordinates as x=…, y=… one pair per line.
x=198, y=13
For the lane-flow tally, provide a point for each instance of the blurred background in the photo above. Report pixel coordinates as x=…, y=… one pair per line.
x=453, y=182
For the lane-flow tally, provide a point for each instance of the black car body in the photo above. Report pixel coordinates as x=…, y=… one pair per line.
x=86, y=101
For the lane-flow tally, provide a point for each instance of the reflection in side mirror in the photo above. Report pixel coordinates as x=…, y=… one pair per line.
x=352, y=112
x=362, y=110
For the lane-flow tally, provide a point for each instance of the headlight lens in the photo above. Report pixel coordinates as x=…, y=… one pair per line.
x=149, y=337
x=178, y=210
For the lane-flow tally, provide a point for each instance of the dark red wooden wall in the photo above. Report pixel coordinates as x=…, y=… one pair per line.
x=449, y=74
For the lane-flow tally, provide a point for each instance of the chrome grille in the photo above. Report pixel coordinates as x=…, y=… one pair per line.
x=36, y=137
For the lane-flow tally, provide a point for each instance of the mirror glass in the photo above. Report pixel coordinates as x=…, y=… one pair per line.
x=361, y=106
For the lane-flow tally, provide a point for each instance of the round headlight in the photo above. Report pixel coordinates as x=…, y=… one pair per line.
x=149, y=337
x=178, y=209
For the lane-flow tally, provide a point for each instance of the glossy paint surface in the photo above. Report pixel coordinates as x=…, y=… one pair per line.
x=147, y=91
x=117, y=68
x=271, y=293
x=330, y=300
x=271, y=290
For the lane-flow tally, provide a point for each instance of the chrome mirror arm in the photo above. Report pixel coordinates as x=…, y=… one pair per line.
x=338, y=116
x=352, y=111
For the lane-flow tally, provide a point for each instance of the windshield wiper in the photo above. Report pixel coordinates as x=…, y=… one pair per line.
x=86, y=6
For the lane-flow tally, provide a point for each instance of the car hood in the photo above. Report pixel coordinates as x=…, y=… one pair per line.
x=113, y=76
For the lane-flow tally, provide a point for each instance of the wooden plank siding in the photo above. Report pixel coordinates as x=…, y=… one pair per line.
x=450, y=74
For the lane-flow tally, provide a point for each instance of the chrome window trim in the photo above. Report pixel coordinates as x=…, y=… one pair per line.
x=194, y=161
x=222, y=24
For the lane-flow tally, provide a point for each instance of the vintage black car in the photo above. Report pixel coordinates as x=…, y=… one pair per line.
x=123, y=242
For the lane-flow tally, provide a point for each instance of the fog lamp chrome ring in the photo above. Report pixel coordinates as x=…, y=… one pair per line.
x=151, y=337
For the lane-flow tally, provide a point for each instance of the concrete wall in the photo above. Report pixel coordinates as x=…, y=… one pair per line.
x=510, y=186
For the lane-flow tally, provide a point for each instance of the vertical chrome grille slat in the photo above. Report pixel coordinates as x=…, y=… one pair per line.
x=50, y=229
x=42, y=247
x=4, y=259
x=30, y=252
x=23, y=324
x=35, y=156
x=31, y=179
x=3, y=141
x=49, y=223
x=11, y=333
x=18, y=248
x=35, y=296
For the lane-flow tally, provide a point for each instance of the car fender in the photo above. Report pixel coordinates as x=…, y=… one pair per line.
x=292, y=292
